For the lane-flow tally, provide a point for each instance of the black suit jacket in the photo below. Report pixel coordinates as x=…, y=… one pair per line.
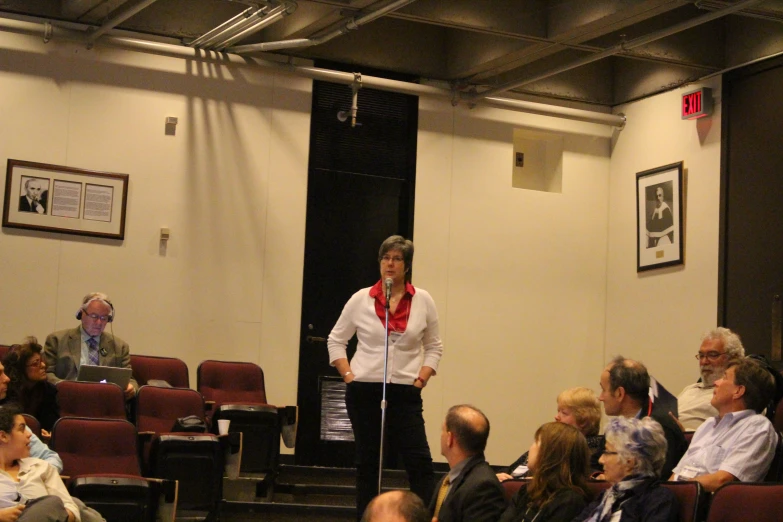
x=475, y=496
x=24, y=205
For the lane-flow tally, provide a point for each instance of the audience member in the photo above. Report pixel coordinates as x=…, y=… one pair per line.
x=396, y=506
x=580, y=408
x=29, y=387
x=37, y=448
x=67, y=350
x=560, y=461
x=739, y=443
x=635, y=453
x=719, y=347
x=625, y=386
x=30, y=488
x=470, y=492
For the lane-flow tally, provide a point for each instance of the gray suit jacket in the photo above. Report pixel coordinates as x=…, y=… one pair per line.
x=63, y=350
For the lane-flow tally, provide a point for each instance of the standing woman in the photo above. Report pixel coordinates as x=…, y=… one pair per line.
x=415, y=349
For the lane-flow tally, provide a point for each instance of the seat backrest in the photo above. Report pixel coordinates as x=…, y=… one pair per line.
x=231, y=382
x=157, y=409
x=596, y=487
x=511, y=487
x=169, y=369
x=746, y=501
x=90, y=399
x=690, y=496
x=33, y=424
x=775, y=472
x=90, y=446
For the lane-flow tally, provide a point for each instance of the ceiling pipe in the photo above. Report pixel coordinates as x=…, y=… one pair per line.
x=116, y=20
x=342, y=28
x=231, y=30
x=275, y=15
x=247, y=13
x=625, y=46
x=49, y=31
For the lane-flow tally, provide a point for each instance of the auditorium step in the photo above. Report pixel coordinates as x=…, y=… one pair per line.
x=298, y=493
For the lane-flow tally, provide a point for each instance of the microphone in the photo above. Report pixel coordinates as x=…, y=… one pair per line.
x=388, y=282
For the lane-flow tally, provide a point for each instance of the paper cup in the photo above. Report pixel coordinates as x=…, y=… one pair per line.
x=223, y=426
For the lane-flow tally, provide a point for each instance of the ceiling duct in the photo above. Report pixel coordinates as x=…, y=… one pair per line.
x=365, y=16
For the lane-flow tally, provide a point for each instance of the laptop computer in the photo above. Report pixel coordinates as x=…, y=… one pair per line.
x=119, y=376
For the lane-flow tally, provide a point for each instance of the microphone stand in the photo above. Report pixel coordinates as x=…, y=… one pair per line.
x=383, y=399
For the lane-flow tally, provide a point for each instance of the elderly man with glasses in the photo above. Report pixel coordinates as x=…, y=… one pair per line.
x=719, y=347
x=67, y=350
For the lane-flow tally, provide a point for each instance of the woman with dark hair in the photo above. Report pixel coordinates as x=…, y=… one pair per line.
x=415, y=349
x=634, y=457
x=30, y=488
x=560, y=461
x=29, y=387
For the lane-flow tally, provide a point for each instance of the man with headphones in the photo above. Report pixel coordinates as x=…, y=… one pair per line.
x=67, y=350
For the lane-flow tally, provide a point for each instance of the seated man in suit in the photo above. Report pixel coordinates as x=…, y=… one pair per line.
x=625, y=388
x=67, y=350
x=739, y=443
x=470, y=492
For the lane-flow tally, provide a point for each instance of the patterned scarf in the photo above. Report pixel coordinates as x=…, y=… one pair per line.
x=614, y=497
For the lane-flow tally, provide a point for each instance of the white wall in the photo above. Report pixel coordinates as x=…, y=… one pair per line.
x=658, y=316
x=535, y=290
x=231, y=186
x=519, y=276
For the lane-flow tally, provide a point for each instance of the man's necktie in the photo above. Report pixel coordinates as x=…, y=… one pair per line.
x=93, y=352
x=441, y=495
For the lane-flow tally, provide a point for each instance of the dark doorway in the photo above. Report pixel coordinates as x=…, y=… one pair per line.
x=751, y=271
x=360, y=191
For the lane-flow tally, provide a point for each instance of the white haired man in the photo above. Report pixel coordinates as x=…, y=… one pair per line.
x=67, y=350
x=719, y=347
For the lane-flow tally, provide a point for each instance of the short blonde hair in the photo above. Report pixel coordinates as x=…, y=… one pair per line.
x=585, y=407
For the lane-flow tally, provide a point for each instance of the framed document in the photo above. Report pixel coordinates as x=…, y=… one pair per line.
x=54, y=198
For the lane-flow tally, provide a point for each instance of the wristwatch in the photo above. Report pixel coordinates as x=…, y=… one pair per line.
x=422, y=381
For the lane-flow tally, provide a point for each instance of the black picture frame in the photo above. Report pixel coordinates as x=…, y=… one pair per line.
x=659, y=217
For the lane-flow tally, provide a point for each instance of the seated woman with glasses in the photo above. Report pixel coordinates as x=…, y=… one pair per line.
x=559, y=459
x=634, y=456
x=30, y=488
x=35, y=395
x=580, y=408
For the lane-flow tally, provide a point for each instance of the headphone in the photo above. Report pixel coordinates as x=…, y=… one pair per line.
x=95, y=296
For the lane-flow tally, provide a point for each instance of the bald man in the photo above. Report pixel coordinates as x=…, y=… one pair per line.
x=470, y=492
x=396, y=506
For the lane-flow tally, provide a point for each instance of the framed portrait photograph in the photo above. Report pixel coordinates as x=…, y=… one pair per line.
x=659, y=217
x=54, y=198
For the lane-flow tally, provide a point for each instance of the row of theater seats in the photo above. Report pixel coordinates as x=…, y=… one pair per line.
x=759, y=502
x=93, y=435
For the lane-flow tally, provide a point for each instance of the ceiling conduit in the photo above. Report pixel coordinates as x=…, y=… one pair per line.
x=342, y=28
x=276, y=14
x=116, y=20
x=47, y=31
x=617, y=49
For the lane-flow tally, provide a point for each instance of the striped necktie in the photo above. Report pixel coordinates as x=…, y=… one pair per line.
x=441, y=495
x=92, y=354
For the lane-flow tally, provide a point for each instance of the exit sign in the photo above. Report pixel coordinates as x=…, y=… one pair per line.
x=696, y=104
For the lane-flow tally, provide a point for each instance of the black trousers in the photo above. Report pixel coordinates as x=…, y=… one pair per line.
x=404, y=434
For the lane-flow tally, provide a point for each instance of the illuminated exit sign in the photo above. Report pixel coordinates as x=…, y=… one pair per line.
x=696, y=104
